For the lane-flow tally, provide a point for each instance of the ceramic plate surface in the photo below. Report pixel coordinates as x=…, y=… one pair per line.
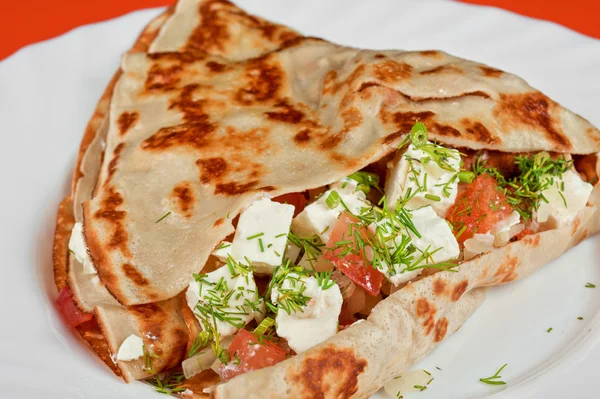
x=49, y=90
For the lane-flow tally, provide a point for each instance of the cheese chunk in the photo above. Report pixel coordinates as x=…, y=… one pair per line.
x=555, y=213
x=261, y=234
x=318, y=218
x=317, y=321
x=416, y=171
x=436, y=239
x=223, y=251
x=213, y=292
x=479, y=244
x=132, y=348
x=78, y=248
x=498, y=237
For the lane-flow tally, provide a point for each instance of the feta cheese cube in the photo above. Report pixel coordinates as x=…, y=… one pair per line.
x=435, y=237
x=261, y=234
x=79, y=250
x=214, y=293
x=480, y=243
x=132, y=348
x=318, y=218
x=417, y=171
x=223, y=251
x=566, y=198
x=317, y=321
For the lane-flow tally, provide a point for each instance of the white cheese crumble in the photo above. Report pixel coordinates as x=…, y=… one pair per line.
x=132, y=348
x=317, y=321
x=78, y=248
x=223, y=251
x=416, y=171
x=566, y=198
x=214, y=294
x=436, y=239
x=261, y=234
x=319, y=218
x=498, y=237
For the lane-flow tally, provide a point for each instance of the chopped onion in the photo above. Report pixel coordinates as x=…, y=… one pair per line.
x=202, y=360
x=346, y=285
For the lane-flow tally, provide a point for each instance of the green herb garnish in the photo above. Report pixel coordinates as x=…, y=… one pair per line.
x=163, y=217
x=495, y=379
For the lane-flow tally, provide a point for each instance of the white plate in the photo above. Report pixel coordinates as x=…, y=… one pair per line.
x=48, y=92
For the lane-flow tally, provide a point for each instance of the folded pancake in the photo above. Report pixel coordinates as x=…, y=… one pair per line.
x=238, y=35
x=213, y=135
x=192, y=138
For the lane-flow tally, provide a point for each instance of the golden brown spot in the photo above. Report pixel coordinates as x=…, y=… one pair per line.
x=391, y=71
x=302, y=136
x=491, y=72
x=184, y=197
x=352, y=119
x=443, y=130
x=506, y=272
x=329, y=371
x=479, y=132
x=379, y=56
x=267, y=188
x=218, y=222
x=193, y=134
x=197, y=130
x=163, y=78
x=212, y=34
x=426, y=311
x=430, y=53
x=329, y=82
x=263, y=81
x=211, y=169
x=134, y=275
x=405, y=120
x=439, y=287
x=216, y=66
x=441, y=327
x=109, y=212
x=533, y=110
x=112, y=165
x=458, y=290
x=532, y=240
x=444, y=69
x=126, y=121
x=285, y=113
x=234, y=188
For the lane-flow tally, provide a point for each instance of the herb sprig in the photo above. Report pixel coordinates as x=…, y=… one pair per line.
x=495, y=379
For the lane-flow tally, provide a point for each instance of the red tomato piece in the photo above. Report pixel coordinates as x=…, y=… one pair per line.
x=524, y=232
x=297, y=199
x=478, y=208
x=247, y=354
x=69, y=310
x=352, y=264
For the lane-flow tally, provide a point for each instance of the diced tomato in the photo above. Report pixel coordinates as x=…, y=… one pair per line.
x=69, y=310
x=247, y=354
x=478, y=208
x=297, y=199
x=352, y=264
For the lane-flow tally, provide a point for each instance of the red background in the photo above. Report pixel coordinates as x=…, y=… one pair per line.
x=31, y=21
